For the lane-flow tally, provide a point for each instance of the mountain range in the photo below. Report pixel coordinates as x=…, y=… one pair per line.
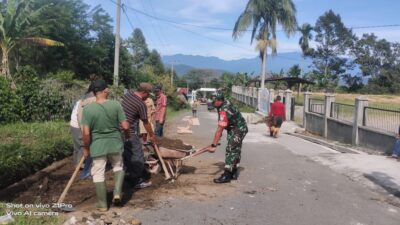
x=252, y=66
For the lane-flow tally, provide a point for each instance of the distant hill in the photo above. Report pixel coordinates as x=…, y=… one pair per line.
x=252, y=66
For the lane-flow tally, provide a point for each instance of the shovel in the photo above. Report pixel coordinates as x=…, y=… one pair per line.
x=68, y=207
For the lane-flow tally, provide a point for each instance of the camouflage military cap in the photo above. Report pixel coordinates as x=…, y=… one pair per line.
x=218, y=96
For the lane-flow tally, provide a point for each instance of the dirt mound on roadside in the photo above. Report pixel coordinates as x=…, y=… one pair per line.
x=173, y=144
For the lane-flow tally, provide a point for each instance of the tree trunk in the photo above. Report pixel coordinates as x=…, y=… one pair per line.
x=263, y=68
x=5, y=67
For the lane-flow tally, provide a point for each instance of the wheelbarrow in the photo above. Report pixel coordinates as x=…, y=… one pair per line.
x=171, y=158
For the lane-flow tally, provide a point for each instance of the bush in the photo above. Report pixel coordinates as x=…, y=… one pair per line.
x=38, y=100
x=29, y=147
x=10, y=103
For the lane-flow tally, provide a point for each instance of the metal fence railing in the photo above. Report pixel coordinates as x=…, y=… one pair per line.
x=316, y=106
x=381, y=118
x=343, y=112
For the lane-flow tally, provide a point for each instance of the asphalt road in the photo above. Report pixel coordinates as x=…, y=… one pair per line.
x=279, y=183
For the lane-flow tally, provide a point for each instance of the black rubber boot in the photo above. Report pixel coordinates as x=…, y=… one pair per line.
x=224, y=178
x=235, y=173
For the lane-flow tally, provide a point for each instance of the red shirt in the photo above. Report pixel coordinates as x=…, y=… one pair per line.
x=161, y=105
x=278, y=110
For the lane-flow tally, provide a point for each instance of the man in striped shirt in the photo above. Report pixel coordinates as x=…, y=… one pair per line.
x=135, y=109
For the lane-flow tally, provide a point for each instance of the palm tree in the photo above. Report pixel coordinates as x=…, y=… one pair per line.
x=304, y=40
x=15, y=20
x=264, y=16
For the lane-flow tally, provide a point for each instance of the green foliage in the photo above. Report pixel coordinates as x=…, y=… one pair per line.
x=333, y=41
x=36, y=99
x=29, y=147
x=65, y=76
x=294, y=71
x=197, y=78
x=40, y=103
x=10, y=103
x=305, y=38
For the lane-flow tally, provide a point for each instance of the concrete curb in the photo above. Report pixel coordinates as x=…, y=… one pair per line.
x=335, y=147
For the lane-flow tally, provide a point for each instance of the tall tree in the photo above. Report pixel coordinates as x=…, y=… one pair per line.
x=15, y=24
x=137, y=44
x=71, y=23
x=304, y=42
x=333, y=40
x=154, y=59
x=264, y=16
x=373, y=55
x=294, y=71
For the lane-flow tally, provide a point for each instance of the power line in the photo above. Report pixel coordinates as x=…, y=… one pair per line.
x=161, y=28
x=159, y=37
x=127, y=17
x=198, y=34
x=225, y=29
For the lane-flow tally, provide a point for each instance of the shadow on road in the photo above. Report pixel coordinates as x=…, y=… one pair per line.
x=385, y=182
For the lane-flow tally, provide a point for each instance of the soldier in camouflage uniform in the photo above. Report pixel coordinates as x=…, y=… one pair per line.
x=231, y=119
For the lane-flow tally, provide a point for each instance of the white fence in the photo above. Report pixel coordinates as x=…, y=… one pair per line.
x=261, y=100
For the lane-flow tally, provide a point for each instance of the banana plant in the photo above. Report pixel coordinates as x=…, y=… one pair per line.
x=16, y=18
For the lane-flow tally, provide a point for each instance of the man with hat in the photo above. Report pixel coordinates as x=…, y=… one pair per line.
x=161, y=111
x=101, y=123
x=230, y=119
x=135, y=109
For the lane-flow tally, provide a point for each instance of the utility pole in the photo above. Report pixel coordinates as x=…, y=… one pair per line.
x=117, y=44
x=172, y=73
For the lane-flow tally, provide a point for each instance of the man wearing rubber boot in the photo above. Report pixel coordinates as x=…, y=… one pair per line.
x=232, y=120
x=102, y=140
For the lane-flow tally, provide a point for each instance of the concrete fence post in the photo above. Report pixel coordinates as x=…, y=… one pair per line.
x=271, y=95
x=257, y=91
x=360, y=103
x=329, y=98
x=288, y=103
x=307, y=96
x=281, y=93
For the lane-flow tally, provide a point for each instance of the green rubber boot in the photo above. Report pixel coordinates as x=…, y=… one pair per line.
x=119, y=181
x=101, y=193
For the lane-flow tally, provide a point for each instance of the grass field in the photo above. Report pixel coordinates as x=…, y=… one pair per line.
x=28, y=147
x=384, y=101
x=31, y=216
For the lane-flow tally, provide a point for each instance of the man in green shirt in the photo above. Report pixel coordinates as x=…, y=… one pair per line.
x=102, y=140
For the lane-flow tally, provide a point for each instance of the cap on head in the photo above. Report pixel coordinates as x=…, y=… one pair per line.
x=157, y=88
x=145, y=87
x=218, y=96
x=98, y=85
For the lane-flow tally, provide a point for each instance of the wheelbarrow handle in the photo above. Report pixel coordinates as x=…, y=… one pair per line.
x=198, y=152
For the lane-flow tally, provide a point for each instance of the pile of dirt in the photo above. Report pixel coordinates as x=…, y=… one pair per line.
x=173, y=144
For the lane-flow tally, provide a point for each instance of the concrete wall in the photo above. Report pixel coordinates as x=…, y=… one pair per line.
x=339, y=130
x=315, y=123
x=377, y=140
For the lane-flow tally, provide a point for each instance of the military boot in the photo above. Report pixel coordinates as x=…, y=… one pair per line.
x=101, y=193
x=118, y=182
x=235, y=173
x=224, y=178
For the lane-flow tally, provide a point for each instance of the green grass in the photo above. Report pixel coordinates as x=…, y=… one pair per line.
x=25, y=148
x=53, y=218
x=385, y=101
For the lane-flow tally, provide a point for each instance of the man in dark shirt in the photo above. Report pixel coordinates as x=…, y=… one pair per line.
x=277, y=116
x=135, y=109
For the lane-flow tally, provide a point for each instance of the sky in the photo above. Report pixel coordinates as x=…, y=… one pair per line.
x=182, y=35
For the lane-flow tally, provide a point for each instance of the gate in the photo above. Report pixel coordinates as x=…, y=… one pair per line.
x=264, y=101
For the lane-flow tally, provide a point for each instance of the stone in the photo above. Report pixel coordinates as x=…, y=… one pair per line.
x=136, y=222
x=71, y=221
